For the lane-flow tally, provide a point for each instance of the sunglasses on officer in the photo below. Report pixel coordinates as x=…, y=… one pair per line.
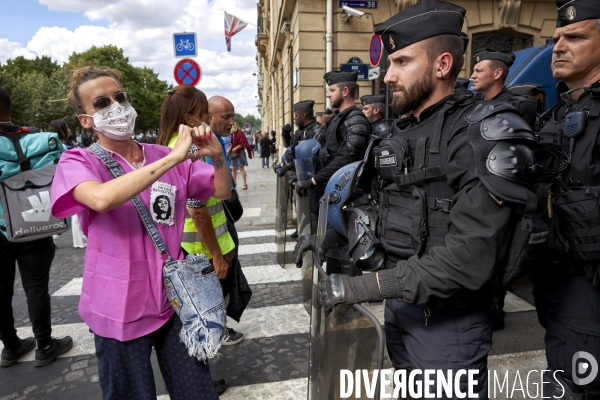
x=103, y=102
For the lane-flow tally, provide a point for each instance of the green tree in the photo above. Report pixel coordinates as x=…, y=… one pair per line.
x=255, y=123
x=21, y=66
x=39, y=87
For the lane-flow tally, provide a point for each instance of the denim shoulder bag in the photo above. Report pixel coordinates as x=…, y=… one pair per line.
x=192, y=285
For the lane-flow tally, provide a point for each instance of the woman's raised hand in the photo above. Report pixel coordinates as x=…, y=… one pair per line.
x=185, y=139
x=206, y=142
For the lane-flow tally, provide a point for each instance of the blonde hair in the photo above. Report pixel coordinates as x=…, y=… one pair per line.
x=84, y=74
x=235, y=128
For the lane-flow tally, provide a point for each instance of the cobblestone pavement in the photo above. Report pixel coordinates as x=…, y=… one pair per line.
x=272, y=362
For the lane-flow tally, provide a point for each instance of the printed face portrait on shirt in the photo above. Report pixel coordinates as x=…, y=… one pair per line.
x=162, y=202
x=162, y=208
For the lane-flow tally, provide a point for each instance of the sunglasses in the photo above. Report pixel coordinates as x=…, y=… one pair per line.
x=103, y=102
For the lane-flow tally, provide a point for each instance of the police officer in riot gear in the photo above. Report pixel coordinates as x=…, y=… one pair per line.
x=373, y=106
x=305, y=121
x=345, y=136
x=490, y=70
x=343, y=139
x=449, y=173
x=307, y=129
x=567, y=280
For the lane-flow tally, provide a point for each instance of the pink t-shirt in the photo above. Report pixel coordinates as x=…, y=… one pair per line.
x=122, y=295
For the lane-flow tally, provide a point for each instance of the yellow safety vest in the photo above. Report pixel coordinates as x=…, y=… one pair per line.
x=191, y=241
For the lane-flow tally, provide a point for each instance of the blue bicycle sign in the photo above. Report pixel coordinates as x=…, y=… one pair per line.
x=185, y=44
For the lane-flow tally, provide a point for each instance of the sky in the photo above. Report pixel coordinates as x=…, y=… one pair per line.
x=144, y=30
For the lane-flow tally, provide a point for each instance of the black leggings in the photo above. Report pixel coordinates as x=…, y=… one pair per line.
x=34, y=259
x=125, y=371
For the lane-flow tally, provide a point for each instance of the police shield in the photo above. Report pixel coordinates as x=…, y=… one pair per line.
x=303, y=223
x=281, y=217
x=350, y=338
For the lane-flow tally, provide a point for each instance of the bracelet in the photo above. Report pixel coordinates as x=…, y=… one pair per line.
x=195, y=203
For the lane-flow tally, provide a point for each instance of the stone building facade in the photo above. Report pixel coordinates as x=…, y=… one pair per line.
x=292, y=43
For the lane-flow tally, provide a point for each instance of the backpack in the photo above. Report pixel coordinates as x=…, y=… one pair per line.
x=27, y=167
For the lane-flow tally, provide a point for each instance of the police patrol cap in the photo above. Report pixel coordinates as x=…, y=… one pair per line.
x=301, y=105
x=328, y=111
x=420, y=22
x=571, y=11
x=507, y=58
x=336, y=76
x=372, y=99
x=465, y=39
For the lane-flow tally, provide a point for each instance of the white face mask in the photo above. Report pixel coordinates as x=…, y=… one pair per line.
x=116, y=122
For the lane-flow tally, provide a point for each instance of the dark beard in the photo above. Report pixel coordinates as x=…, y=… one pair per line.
x=410, y=98
x=338, y=102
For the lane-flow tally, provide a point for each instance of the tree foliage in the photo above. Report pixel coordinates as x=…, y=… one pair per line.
x=38, y=87
x=254, y=122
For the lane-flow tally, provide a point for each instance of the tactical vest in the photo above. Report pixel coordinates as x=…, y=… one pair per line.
x=333, y=141
x=416, y=197
x=191, y=241
x=311, y=130
x=574, y=205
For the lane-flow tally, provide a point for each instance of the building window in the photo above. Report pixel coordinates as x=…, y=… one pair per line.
x=501, y=41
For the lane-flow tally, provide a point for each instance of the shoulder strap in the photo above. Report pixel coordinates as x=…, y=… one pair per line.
x=437, y=133
x=24, y=162
x=116, y=172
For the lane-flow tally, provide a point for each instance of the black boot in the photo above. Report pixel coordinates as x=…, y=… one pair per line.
x=11, y=356
x=58, y=347
x=220, y=386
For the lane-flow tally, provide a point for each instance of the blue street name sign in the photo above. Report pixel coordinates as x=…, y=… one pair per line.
x=363, y=70
x=184, y=44
x=358, y=4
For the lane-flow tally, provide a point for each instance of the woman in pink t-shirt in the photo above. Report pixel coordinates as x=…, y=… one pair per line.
x=123, y=300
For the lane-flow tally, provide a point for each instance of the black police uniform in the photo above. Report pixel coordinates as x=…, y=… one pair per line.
x=442, y=222
x=527, y=107
x=345, y=135
x=567, y=281
x=343, y=139
x=379, y=128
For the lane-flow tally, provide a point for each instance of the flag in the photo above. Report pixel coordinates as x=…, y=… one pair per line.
x=232, y=26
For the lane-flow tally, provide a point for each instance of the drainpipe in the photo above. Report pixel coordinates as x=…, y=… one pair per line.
x=273, y=98
x=329, y=44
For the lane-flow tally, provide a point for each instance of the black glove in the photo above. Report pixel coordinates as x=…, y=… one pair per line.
x=305, y=184
x=337, y=288
x=301, y=192
x=281, y=171
x=292, y=180
x=305, y=243
x=276, y=167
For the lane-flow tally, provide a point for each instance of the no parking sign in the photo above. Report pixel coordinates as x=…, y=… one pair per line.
x=187, y=72
x=375, y=49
